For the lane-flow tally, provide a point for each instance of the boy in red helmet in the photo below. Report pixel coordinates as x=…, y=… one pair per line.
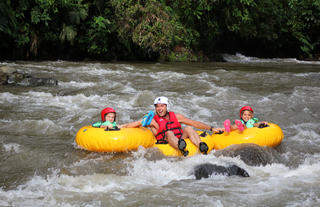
x=247, y=120
x=108, y=117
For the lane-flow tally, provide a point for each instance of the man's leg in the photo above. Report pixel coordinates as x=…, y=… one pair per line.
x=176, y=143
x=172, y=139
x=192, y=134
x=195, y=139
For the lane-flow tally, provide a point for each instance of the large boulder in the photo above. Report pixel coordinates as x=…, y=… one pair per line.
x=251, y=154
x=206, y=170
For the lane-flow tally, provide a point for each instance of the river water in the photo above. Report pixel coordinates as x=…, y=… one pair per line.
x=40, y=164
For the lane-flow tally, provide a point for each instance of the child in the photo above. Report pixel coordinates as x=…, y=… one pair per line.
x=247, y=120
x=108, y=117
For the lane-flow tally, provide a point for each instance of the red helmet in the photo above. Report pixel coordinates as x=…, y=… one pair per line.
x=106, y=111
x=244, y=109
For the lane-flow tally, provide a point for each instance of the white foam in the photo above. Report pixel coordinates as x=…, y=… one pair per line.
x=12, y=147
x=308, y=130
x=167, y=75
x=68, y=103
x=95, y=183
x=239, y=58
x=306, y=199
x=65, y=190
x=306, y=173
x=264, y=99
x=7, y=97
x=76, y=84
x=128, y=67
x=310, y=74
x=164, y=171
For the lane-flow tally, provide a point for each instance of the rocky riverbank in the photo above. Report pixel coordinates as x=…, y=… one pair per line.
x=11, y=76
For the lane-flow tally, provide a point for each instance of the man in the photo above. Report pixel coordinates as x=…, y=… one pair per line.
x=166, y=126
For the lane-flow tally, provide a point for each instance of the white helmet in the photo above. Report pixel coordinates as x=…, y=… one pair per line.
x=162, y=100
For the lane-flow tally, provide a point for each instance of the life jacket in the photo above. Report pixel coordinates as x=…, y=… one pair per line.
x=250, y=123
x=168, y=125
x=106, y=123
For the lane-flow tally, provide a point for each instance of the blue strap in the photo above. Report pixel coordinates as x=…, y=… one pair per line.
x=146, y=120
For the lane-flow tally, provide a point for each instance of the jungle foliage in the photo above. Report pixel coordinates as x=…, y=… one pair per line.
x=184, y=30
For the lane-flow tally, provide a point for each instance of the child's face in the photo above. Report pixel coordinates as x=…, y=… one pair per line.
x=110, y=117
x=246, y=115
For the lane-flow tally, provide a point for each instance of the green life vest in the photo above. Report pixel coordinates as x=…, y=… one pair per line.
x=106, y=123
x=250, y=123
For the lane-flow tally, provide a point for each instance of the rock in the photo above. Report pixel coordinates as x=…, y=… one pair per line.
x=14, y=78
x=10, y=76
x=30, y=81
x=8, y=70
x=208, y=169
x=251, y=154
x=3, y=78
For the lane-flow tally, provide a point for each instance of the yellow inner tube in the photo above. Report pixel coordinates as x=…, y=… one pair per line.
x=127, y=139
x=268, y=136
x=167, y=150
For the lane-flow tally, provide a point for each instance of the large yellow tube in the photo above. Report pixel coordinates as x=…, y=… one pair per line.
x=268, y=136
x=126, y=139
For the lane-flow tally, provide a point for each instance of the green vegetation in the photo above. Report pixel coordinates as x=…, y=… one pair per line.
x=185, y=30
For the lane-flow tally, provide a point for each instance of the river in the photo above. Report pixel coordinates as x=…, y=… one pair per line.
x=40, y=164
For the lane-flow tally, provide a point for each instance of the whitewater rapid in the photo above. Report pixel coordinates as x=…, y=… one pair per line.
x=42, y=166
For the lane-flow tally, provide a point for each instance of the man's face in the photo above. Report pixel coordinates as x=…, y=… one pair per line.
x=161, y=109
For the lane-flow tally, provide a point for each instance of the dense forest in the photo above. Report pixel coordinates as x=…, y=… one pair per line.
x=181, y=30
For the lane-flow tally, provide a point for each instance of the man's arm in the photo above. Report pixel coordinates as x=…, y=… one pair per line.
x=190, y=122
x=136, y=124
x=131, y=124
x=197, y=124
